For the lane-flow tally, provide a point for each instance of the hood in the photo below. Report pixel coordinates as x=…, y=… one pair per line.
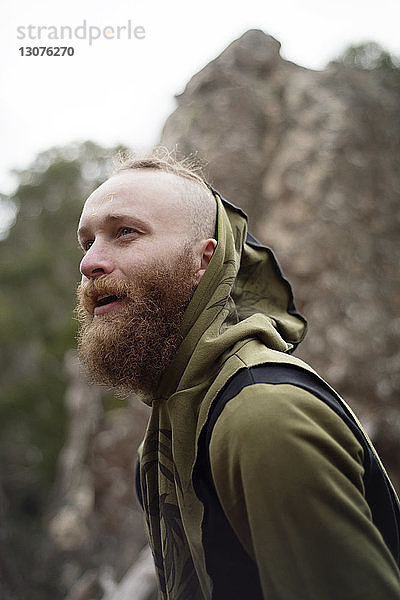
x=243, y=294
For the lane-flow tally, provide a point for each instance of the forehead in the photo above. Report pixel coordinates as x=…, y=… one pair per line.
x=154, y=197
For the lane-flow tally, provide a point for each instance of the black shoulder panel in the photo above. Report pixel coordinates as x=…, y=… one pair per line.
x=228, y=571
x=233, y=572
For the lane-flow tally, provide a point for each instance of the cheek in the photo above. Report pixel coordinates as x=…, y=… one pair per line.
x=145, y=256
x=127, y=258
x=131, y=262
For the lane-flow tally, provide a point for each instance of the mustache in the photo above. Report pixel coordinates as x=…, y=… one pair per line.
x=89, y=293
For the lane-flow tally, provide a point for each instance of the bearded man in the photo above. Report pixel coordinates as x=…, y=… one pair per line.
x=256, y=479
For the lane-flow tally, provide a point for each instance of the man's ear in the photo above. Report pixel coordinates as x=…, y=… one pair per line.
x=206, y=252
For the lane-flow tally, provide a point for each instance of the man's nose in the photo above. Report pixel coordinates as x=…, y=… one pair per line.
x=96, y=262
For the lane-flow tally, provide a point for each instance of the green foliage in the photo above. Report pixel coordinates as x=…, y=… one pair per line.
x=371, y=56
x=38, y=278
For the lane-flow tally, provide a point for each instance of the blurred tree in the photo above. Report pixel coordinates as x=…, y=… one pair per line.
x=371, y=56
x=38, y=279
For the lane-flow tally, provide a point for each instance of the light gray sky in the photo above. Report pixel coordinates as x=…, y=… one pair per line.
x=123, y=90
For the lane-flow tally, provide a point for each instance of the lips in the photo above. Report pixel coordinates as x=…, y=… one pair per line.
x=106, y=300
x=105, y=303
x=100, y=296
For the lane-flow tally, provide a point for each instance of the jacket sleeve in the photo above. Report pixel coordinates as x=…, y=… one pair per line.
x=288, y=473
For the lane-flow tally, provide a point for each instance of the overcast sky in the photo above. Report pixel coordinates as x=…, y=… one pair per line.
x=122, y=90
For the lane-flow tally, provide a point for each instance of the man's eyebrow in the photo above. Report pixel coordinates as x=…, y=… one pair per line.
x=114, y=218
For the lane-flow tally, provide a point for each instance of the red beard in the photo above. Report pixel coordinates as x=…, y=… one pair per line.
x=130, y=347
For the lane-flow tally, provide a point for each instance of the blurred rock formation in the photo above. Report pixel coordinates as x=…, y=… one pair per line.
x=313, y=157
x=94, y=521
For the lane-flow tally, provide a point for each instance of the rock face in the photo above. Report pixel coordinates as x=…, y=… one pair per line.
x=313, y=157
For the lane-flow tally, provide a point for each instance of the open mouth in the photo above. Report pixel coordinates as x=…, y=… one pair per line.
x=107, y=300
x=105, y=304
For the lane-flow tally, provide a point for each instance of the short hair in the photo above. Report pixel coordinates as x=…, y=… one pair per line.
x=197, y=199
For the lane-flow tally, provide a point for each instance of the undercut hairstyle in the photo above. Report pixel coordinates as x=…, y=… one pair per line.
x=197, y=199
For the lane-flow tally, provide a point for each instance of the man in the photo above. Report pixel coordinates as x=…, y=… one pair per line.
x=255, y=478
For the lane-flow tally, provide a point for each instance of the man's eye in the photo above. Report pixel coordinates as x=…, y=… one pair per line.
x=87, y=245
x=126, y=230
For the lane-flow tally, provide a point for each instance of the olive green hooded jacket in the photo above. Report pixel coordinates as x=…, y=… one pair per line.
x=284, y=514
